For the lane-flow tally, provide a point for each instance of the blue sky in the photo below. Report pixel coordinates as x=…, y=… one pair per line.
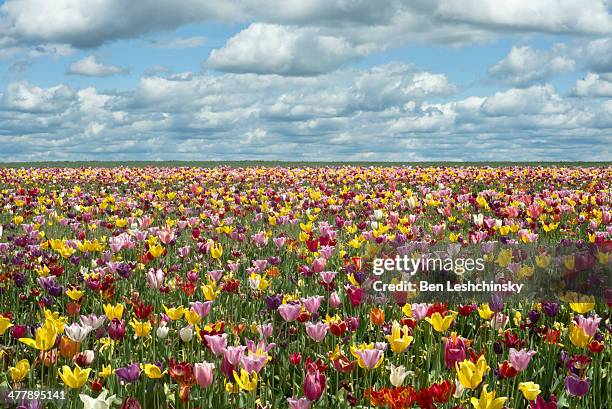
x=296, y=80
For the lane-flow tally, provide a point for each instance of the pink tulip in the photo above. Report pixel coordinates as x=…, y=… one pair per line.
x=234, y=354
x=260, y=265
x=314, y=384
x=588, y=325
x=279, y=242
x=328, y=276
x=203, y=374
x=318, y=264
x=313, y=303
x=290, y=312
x=216, y=343
x=201, y=308
x=370, y=357
x=334, y=300
x=520, y=359
x=301, y=403
x=265, y=330
x=253, y=362
x=317, y=331
x=419, y=311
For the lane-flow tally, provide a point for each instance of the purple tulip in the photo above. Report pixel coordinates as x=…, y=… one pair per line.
x=116, y=329
x=129, y=374
x=576, y=386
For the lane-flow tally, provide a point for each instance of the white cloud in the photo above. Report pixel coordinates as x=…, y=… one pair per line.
x=598, y=55
x=383, y=113
x=524, y=66
x=275, y=49
x=330, y=32
x=538, y=99
x=91, y=67
x=22, y=96
x=90, y=23
x=594, y=85
x=554, y=16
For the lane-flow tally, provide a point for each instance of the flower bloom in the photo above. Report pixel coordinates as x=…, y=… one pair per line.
x=316, y=331
x=399, y=339
x=45, y=337
x=470, y=375
x=76, y=378
x=441, y=324
x=487, y=400
x=289, y=312
x=397, y=375
x=577, y=336
x=454, y=350
x=576, y=386
x=246, y=381
x=203, y=373
x=153, y=371
x=129, y=374
x=520, y=359
x=20, y=370
x=369, y=358
x=530, y=390
x=314, y=384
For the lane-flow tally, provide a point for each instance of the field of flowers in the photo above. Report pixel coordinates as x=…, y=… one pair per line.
x=186, y=287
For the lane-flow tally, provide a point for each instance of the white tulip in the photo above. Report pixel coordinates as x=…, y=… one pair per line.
x=162, y=331
x=398, y=374
x=186, y=333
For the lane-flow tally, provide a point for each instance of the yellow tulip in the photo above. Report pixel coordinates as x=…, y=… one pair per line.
x=141, y=328
x=485, y=312
x=244, y=380
x=45, y=337
x=210, y=292
x=113, y=311
x=530, y=390
x=487, y=400
x=577, y=336
x=74, y=378
x=156, y=250
x=105, y=372
x=5, y=324
x=470, y=375
x=192, y=317
x=74, y=294
x=20, y=370
x=55, y=319
x=175, y=314
x=582, y=307
x=153, y=371
x=216, y=251
x=398, y=341
x=441, y=324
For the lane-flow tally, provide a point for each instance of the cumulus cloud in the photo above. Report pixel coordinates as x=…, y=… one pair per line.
x=91, y=67
x=388, y=112
x=275, y=49
x=524, y=66
x=594, y=85
x=90, y=23
x=22, y=96
x=554, y=16
x=598, y=55
x=331, y=31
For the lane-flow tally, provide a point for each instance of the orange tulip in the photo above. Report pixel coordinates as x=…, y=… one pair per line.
x=377, y=316
x=69, y=348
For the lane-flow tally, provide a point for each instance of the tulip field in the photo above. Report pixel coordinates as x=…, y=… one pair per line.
x=251, y=287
